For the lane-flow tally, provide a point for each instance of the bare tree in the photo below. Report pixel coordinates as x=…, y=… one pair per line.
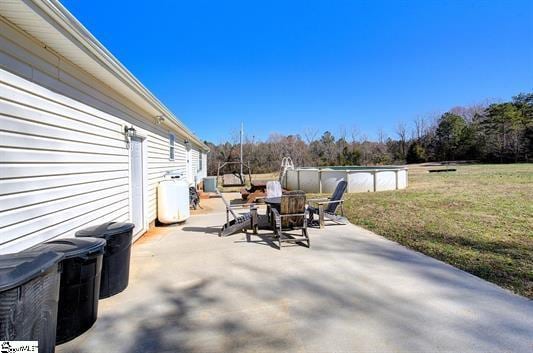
x=420, y=127
x=354, y=133
x=469, y=112
x=342, y=132
x=381, y=135
x=310, y=134
x=235, y=136
x=401, y=131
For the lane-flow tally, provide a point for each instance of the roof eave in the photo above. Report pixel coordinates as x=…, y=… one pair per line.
x=117, y=76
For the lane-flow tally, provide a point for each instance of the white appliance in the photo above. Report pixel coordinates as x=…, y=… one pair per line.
x=173, y=200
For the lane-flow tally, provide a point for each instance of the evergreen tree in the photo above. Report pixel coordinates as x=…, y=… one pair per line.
x=450, y=136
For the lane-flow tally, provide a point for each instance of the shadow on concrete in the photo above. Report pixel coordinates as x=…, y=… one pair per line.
x=179, y=325
x=210, y=230
x=260, y=239
x=346, y=293
x=453, y=314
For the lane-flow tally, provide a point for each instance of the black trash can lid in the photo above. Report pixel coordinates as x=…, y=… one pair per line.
x=17, y=269
x=73, y=247
x=105, y=230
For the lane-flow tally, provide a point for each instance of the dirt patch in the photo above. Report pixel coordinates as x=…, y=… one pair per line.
x=156, y=233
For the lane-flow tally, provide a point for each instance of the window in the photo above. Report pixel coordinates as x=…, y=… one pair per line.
x=171, y=141
x=200, y=161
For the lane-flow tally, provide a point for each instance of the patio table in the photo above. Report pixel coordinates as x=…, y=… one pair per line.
x=272, y=202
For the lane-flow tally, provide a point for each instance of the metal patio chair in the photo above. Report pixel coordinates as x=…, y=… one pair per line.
x=327, y=208
x=241, y=222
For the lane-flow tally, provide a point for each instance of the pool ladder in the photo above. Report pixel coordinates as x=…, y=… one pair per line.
x=286, y=164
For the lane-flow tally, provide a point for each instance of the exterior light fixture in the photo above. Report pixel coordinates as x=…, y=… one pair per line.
x=187, y=144
x=129, y=133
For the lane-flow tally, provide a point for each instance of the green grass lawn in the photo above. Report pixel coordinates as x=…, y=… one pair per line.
x=479, y=219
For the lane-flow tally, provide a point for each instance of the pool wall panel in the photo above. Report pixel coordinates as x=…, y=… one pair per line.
x=309, y=180
x=330, y=179
x=385, y=180
x=361, y=179
x=361, y=182
x=291, y=180
x=402, y=179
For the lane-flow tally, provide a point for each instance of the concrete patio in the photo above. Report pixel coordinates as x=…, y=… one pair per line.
x=352, y=291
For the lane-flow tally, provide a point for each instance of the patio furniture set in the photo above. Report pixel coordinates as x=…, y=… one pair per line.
x=286, y=211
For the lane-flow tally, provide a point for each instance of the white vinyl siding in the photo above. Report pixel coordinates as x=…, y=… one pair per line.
x=64, y=162
x=63, y=165
x=199, y=165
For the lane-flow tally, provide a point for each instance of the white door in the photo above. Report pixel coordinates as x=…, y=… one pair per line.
x=137, y=197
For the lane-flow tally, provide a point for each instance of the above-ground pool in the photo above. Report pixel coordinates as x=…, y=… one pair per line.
x=360, y=179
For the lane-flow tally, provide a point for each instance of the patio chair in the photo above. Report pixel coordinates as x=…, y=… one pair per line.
x=239, y=223
x=327, y=207
x=291, y=215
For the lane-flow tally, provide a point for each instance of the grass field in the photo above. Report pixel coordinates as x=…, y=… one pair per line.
x=479, y=219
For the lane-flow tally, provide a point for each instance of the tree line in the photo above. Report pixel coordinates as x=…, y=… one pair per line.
x=498, y=132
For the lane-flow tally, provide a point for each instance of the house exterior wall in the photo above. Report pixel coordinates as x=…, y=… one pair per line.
x=64, y=160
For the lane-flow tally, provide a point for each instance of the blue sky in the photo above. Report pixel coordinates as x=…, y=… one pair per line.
x=287, y=66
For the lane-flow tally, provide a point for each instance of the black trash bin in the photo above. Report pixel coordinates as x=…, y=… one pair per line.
x=80, y=284
x=116, y=264
x=29, y=294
